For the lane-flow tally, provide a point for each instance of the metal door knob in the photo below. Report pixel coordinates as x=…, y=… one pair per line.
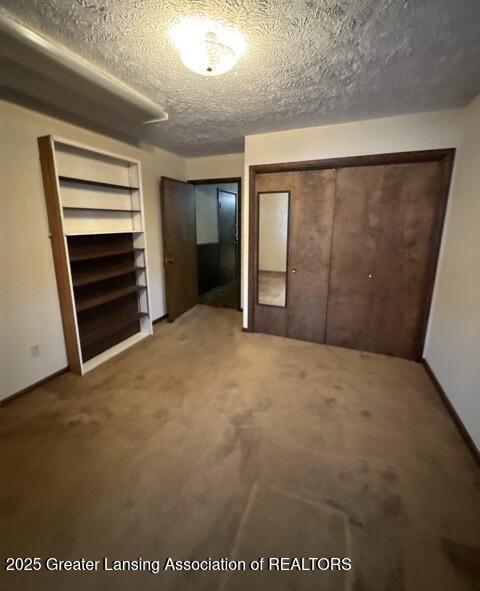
x=370, y=275
x=168, y=260
x=294, y=270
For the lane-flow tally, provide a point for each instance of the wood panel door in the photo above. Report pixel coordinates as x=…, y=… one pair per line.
x=311, y=207
x=312, y=203
x=383, y=251
x=179, y=246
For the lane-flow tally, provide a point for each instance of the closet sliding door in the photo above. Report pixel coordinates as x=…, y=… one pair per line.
x=309, y=254
x=294, y=229
x=383, y=253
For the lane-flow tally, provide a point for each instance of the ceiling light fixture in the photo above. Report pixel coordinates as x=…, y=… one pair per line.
x=207, y=47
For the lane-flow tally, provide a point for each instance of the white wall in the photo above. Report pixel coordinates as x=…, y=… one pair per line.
x=29, y=308
x=453, y=341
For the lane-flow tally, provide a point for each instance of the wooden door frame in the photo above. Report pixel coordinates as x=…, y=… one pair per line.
x=238, y=208
x=447, y=155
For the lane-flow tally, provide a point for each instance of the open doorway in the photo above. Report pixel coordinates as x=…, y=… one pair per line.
x=217, y=206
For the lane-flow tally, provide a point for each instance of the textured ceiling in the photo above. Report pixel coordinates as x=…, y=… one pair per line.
x=309, y=62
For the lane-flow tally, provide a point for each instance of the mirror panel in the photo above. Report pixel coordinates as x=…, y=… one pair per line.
x=273, y=214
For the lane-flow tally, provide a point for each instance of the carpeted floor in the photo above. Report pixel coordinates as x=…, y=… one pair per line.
x=205, y=441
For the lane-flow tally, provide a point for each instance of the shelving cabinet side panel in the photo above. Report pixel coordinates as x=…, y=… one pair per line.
x=60, y=254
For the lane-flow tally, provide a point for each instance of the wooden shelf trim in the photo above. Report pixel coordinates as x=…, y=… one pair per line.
x=87, y=303
x=115, y=209
x=100, y=253
x=70, y=179
x=88, y=277
x=100, y=332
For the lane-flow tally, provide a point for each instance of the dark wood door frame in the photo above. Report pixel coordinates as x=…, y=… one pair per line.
x=447, y=155
x=222, y=181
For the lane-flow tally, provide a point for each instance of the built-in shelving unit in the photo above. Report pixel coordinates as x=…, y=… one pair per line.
x=95, y=210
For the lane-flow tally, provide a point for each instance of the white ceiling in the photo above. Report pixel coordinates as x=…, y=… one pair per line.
x=309, y=62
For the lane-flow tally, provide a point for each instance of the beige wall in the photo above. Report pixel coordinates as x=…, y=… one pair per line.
x=453, y=341
x=215, y=167
x=29, y=309
x=440, y=129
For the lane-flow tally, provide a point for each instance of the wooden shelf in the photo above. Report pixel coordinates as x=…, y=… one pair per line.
x=101, y=252
x=115, y=209
x=89, y=302
x=100, y=332
x=103, y=233
x=70, y=179
x=88, y=277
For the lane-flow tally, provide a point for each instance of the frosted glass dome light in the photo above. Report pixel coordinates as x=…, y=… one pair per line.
x=207, y=47
x=209, y=57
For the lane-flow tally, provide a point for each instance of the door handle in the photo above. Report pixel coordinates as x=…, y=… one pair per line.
x=169, y=260
x=294, y=270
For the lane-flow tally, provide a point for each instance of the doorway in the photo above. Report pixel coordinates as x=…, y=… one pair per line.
x=217, y=208
x=201, y=247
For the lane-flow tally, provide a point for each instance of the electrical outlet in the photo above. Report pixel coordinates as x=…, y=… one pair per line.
x=35, y=351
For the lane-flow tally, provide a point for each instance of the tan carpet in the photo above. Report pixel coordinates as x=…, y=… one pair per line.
x=204, y=441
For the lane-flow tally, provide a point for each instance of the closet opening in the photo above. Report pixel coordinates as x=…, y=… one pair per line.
x=344, y=251
x=201, y=243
